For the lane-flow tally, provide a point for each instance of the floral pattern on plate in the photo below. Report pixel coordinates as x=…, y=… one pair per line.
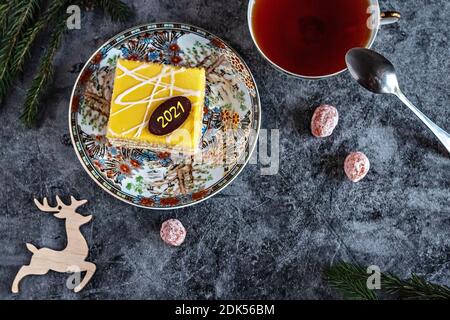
x=162, y=180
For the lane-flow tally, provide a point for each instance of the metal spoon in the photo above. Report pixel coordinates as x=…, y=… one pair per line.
x=377, y=74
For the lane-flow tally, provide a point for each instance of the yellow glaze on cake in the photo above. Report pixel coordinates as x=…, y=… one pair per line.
x=139, y=88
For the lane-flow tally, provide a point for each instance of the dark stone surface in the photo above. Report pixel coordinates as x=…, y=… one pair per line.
x=264, y=236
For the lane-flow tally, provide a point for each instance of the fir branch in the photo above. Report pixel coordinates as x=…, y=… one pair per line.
x=351, y=279
x=23, y=20
x=55, y=10
x=116, y=9
x=43, y=77
x=23, y=47
x=23, y=12
x=4, y=11
x=415, y=288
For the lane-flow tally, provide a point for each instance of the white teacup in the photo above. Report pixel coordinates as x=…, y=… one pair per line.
x=376, y=20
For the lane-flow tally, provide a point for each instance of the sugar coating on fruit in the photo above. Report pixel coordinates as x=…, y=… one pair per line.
x=324, y=121
x=356, y=166
x=172, y=232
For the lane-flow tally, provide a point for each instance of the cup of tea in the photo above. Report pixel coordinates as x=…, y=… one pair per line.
x=310, y=38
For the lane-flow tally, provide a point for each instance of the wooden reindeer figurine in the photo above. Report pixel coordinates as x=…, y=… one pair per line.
x=72, y=258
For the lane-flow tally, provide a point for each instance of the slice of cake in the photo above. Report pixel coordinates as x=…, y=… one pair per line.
x=157, y=106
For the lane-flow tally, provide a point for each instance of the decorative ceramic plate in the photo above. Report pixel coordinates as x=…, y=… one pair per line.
x=160, y=180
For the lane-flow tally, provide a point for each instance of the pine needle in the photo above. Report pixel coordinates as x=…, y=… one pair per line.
x=116, y=9
x=351, y=279
x=43, y=77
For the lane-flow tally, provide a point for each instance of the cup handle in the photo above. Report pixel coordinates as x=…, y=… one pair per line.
x=389, y=17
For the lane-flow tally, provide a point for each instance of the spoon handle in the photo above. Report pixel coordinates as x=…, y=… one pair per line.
x=443, y=136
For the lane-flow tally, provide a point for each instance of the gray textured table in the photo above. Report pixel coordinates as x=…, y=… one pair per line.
x=264, y=236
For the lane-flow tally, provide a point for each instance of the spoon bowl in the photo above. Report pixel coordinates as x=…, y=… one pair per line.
x=373, y=71
x=377, y=74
